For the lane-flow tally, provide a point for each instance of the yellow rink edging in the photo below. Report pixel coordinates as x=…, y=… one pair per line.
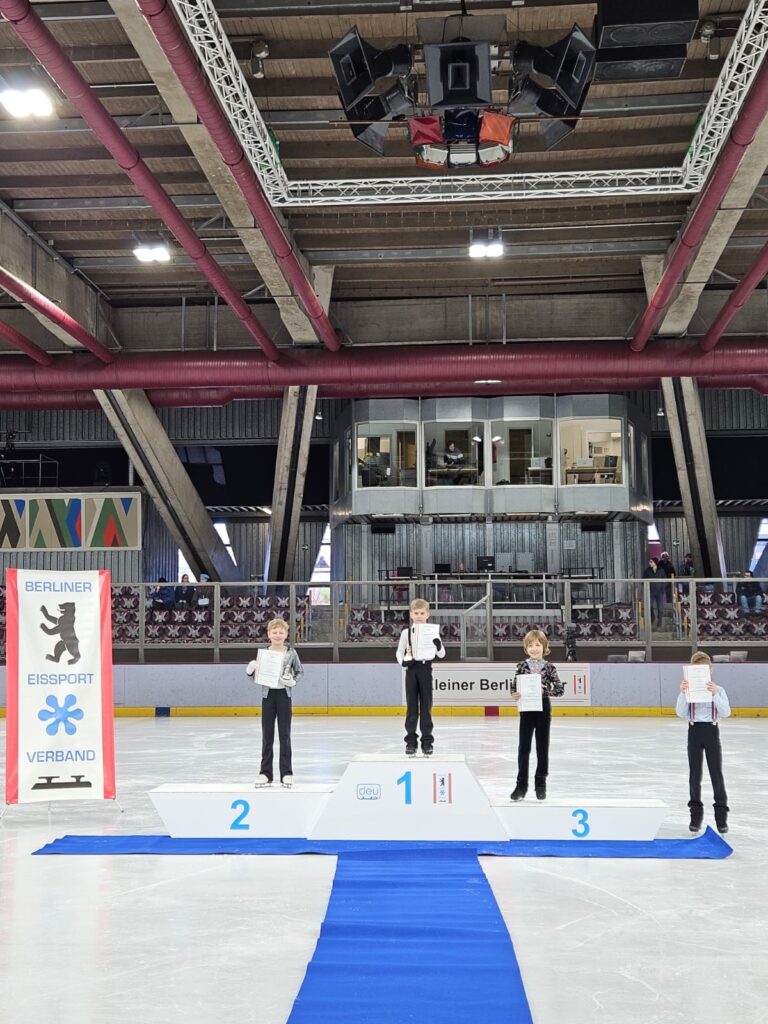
x=396, y=711
x=443, y=711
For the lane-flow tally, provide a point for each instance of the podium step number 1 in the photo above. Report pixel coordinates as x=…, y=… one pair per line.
x=381, y=797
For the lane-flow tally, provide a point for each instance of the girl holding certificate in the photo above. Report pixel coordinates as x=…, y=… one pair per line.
x=277, y=669
x=535, y=682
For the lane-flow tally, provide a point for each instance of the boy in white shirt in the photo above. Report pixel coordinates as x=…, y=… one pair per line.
x=418, y=683
x=704, y=739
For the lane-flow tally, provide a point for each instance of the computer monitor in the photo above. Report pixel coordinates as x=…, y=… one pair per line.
x=486, y=563
x=405, y=572
x=610, y=461
x=442, y=568
x=584, y=463
x=538, y=462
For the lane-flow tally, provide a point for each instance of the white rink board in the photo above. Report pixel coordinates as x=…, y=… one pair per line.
x=191, y=811
x=393, y=797
x=577, y=821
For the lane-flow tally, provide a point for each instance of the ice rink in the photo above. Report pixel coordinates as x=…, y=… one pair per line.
x=113, y=940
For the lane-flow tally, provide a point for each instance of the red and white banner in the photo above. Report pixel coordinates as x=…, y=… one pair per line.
x=60, y=742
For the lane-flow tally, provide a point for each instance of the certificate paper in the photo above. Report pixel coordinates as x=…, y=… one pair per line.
x=423, y=635
x=697, y=677
x=529, y=686
x=269, y=668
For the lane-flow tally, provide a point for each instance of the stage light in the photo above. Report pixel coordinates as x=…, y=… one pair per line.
x=491, y=245
x=152, y=253
x=458, y=74
x=22, y=103
x=357, y=66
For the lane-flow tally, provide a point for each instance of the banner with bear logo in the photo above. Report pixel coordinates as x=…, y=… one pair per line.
x=59, y=707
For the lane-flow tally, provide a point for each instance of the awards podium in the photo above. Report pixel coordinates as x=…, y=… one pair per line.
x=390, y=797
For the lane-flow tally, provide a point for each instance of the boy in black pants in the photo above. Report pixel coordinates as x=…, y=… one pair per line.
x=276, y=706
x=704, y=740
x=418, y=683
x=535, y=723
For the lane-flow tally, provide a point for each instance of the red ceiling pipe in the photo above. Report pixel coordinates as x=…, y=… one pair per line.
x=547, y=366
x=13, y=337
x=34, y=299
x=39, y=41
x=217, y=397
x=692, y=234
x=736, y=300
x=182, y=59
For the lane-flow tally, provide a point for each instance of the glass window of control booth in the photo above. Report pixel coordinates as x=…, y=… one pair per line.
x=386, y=455
x=454, y=454
x=591, y=451
x=521, y=452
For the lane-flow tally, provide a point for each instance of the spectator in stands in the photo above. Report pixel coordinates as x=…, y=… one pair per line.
x=687, y=567
x=185, y=592
x=655, y=573
x=665, y=563
x=749, y=593
x=162, y=597
x=204, y=594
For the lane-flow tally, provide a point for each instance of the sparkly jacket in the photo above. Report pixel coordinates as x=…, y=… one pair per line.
x=550, y=681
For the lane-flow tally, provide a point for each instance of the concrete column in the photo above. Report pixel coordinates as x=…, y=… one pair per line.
x=296, y=421
x=141, y=433
x=689, y=445
x=554, y=562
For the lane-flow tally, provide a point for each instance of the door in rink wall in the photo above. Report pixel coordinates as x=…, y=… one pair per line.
x=59, y=728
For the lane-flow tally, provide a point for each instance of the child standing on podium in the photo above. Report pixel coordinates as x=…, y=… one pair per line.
x=276, y=706
x=418, y=682
x=535, y=723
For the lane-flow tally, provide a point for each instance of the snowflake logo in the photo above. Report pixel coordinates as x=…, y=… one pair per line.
x=61, y=714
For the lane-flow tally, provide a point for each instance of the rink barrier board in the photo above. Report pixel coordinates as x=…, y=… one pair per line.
x=383, y=712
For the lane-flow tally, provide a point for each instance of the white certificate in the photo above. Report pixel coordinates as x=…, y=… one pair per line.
x=529, y=686
x=423, y=636
x=269, y=668
x=697, y=677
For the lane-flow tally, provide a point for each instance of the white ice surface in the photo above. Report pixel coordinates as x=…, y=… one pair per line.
x=156, y=940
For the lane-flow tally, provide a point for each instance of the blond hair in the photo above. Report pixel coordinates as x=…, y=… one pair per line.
x=536, y=634
x=419, y=603
x=701, y=658
x=278, y=624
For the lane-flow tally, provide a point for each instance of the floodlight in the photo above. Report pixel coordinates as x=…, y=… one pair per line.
x=476, y=251
x=458, y=74
x=22, y=103
x=358, y=66
x=152, y=253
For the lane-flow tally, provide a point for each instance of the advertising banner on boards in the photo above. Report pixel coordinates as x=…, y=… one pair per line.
x=59, y=706
x=489, y=684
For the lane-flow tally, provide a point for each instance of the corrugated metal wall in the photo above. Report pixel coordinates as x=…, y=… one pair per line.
x=238, y=421
x=739, y=536
x=249, y=546
x=161, y=553
x=737, y=411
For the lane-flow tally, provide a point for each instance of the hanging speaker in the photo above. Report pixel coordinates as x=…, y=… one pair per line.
x=639, y=63
x=650, y=23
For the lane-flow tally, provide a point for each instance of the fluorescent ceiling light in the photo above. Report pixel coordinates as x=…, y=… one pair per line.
x=490, y=380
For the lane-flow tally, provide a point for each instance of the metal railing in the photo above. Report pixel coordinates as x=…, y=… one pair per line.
x=479, y=615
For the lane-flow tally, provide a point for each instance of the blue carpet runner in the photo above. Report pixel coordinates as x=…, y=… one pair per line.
x=412, y=935
x=709, y=846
